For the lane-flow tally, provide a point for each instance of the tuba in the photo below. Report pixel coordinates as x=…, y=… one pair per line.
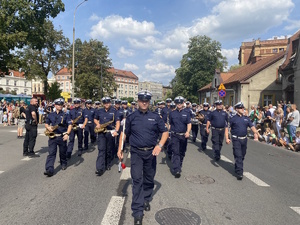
x=103, y=127
x=51, y=134
x=74, y=125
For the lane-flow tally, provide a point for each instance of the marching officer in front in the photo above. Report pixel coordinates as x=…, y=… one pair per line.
x=143, y=128
x=180, y=127
x=97, y=105
x=205, y=112
x=61, y=133
x=133, y=106
x=195, y=123
x=88, y=125
x=106, y=139
x=77, y=119
x=218, y=119
x=239, y=124
x=117, y=104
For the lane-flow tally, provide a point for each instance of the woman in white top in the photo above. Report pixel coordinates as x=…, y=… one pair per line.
x=278, y=119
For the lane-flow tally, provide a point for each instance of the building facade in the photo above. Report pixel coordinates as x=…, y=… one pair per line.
x=127, y=83
x=64, y=78
x=154, y=87
x=167, y=90
x=16, y=81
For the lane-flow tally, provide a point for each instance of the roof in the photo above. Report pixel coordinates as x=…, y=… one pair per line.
x=122, y=73
x=247, y=71
x=64, y=71
x=17, y=73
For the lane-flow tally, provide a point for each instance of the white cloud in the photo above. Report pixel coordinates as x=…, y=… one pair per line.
x=293, y=24
x=159, y=67
x=130, y=67
x=231, y=54
x=123, y=53
x=169, y=53
x=117, y=26
x=94, y=17
x=148, y=42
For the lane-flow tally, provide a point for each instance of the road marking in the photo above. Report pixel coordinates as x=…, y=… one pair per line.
x=224, y=158
x=113, y=212
x=26, y=159
x=296, y=209
x=129, y=155
x=207, y=147
x=1, y=172
x=256, y=180
x=125, y=174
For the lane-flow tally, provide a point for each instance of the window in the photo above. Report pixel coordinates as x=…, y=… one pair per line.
x=281, y=49
x=275, y=50
x=125, y=86
x=268, y=99
x=7, y=82
x=58, y=77
x=67, y=84
x=25, y=84
x=67, y=90
x=63, y=77
x=15, y=83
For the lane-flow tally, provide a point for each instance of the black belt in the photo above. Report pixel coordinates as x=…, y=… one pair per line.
x=146, y=148
x=177, y=133
x=218, y=128
x=234, y=136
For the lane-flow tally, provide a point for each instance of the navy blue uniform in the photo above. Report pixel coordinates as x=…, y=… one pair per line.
x=239, y=125
x=143, y=130
x=195, y=125
x=89, y=128
x=73, y=114
x=62, y=120
x=203, y=133
x=178, y=121
x=106, y=143
x=218, y=120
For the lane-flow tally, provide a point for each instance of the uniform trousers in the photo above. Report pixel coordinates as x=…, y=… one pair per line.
x=105, y=148
x=143, y=169
x=239, y=152
x=178, y=145
x=52, y=150
x=217, y=137
x=204, y=136
x=79, y=133
x=195, y=128
x=89, y=129
x=30, y=138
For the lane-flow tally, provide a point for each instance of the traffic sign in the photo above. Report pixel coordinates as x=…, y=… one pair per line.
x=222, y=93
x=221, y=87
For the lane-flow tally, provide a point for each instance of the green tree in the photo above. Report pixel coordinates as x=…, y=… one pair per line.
x=234, y=67
x=21, y=23
x=92, y=59
x=197, y=67
x=38, y=63
x=54, y=91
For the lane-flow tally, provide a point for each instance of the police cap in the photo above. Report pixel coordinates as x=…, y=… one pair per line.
x=239, y=105
x=89, y=101
x=194, y=105
x=162, y=103
x=205, y=104
x=218, y=102
x=76, y=101
x=172, y=105
x=117, y=101
x=59, y=101
x=133, y=103
x=144, y=96
x=188, y=102
x=159, y=103
x=97, y=103
x=124, y=102
x=179, y=100
x=106, y=100
x=168, y=100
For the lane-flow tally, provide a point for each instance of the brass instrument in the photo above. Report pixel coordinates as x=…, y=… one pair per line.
x=74, y=125
x=51, y=134
x=199, y=116
x=103, y=128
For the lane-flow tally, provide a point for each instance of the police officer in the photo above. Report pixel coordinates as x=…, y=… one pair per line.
x=117, y=104
x=195, y=123
x=239, y=124
x=31, y=124
x=88, y=124
x=165, y=114
x=97, y=105
x=218, y=119
x=76, y=114
x=133, y=106
x=62, y=132
x=106, y=138
x=124, y=104
x=143, y=126
x=204, y=135
x=180, y=127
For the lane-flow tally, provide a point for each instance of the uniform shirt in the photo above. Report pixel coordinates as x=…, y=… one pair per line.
x=179, y=120
x=61, y=119
x=105, y=116
x=218, y=119
x=143, y=128
x=120, y=114
x=190, y=111
x=239, y=125
x=166, y=114
x=206, y=114
x=89, y=114
x=29, y=110
x=76, y=112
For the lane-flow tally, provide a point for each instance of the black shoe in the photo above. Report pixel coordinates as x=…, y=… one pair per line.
x=239, y=176
x=85, y=148
x=194, y=140
x=33, y=155
x=177, y=175
x=69, y=154
x=147, y=206
x=99, y=172
x=63, y=167
x=25, y=154
x=48, y=173
x=138, y=220
x=217, y=158
x=79, y=153
x=108, y=168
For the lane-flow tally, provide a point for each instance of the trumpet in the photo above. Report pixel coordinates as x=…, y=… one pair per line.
x=51, y=134
x=103, y=127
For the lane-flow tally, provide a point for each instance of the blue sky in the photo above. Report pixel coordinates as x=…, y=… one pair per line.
x=149, y=37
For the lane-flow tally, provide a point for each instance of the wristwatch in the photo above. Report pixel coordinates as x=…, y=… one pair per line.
x=159, y=145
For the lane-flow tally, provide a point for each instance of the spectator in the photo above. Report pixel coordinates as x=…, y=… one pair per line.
x=1, y=112
x=41, y=114
x=5, y=118
x=278, y=116
x=294, y=118
x=271, y=109
x=21, y=122
x=268, y=117
x=9, y=113
x=284, y=141
x=296, y=143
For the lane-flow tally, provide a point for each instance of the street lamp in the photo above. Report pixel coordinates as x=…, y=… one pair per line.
x=73, y=56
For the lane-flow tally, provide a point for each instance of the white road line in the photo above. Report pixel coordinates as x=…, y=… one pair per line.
x=26, y=159
x=256, y=180
x=1, y=172
x=129, y=155
x=113, y=212
x=125, y=174
x=296, y=209
x=224, y=158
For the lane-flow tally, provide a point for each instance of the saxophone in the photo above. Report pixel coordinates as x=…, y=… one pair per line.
x=51, y=134
x=199, y=116
x=74, y=125
x=103, y=127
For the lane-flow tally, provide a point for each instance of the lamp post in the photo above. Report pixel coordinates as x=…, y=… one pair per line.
x=101, y=83
x=73, y=56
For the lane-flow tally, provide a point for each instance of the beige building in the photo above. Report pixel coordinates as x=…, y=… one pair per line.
x=166, y=90
x=254, y=84
x=154, y=87
x=127, y=83
x=37, y=85
x=64, y=78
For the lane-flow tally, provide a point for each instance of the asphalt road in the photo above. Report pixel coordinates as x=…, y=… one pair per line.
x=268, y=194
